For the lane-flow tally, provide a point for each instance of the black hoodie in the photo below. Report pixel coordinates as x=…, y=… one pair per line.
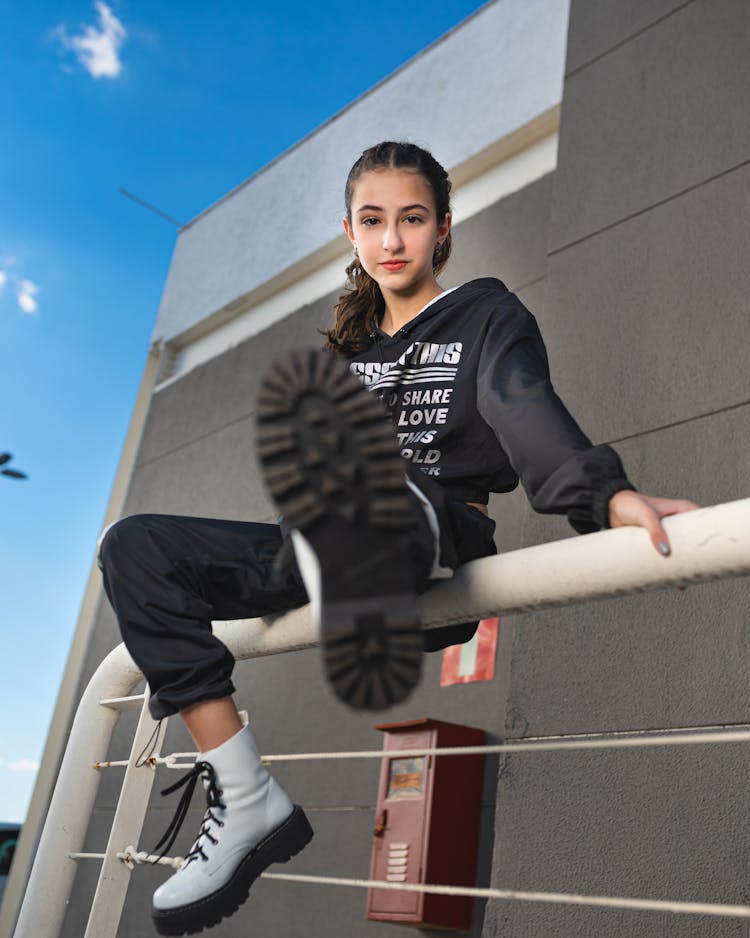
x=467, y=385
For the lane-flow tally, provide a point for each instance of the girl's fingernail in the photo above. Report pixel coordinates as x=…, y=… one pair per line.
x=664, y=548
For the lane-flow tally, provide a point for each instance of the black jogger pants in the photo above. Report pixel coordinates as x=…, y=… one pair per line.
x=167, y=577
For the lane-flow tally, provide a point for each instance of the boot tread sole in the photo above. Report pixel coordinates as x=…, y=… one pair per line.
x=331, y=462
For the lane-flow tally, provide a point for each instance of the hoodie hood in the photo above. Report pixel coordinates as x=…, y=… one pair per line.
x=438, y=306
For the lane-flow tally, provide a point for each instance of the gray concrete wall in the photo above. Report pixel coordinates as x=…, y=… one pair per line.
x=646, y=321
x=197, y=457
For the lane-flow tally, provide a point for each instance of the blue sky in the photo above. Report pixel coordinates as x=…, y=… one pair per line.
x=178, y=103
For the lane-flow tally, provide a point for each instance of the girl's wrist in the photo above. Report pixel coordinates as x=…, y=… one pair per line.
x=603, y=498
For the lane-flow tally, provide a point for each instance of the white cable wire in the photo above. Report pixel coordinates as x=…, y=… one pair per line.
x=621, y=740
x=671, y=739
x=611, y=902
x=130, y=856
x=725, y=910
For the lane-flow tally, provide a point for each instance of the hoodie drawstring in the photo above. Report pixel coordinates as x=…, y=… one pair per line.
x=376, y=339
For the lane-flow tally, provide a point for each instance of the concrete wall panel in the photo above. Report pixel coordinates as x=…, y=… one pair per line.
x=534, y=298
x=653, y=313
x=508, y=240
x=669, y=659
x=659, y=659
x=656, y=824
x=509, y=512
x=658, y=115
x=213, y=477
x=597, y=26
x=221, y=392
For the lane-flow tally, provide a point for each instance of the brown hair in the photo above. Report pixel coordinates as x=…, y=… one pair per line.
x=362, y=300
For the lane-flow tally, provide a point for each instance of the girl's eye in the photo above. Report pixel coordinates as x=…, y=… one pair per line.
x=413, y=219
x=369, y=221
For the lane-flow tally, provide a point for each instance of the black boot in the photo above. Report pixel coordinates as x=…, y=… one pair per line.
x=331, y=461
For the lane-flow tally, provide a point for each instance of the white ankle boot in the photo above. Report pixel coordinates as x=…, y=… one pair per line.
x=249, y=824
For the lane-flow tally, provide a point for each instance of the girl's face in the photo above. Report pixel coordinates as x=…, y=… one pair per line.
x=395, y=229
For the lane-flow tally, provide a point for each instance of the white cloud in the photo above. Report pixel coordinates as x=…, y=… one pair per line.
x=20, y=765
x=25, y=291
x=26, y=296
x=97, y=48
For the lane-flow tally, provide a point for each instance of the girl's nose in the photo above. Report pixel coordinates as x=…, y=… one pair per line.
x=392, y=240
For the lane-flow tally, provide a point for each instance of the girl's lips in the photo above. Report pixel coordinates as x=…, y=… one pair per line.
x=394, y=265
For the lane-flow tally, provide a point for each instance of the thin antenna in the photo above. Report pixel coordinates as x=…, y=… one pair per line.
x=151, y=208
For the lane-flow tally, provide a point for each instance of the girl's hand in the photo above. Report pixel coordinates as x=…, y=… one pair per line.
x=646, y=511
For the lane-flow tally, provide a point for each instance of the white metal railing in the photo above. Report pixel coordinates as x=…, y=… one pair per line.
x=710, y=543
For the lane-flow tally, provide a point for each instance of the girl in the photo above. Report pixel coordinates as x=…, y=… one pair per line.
x=372, y=519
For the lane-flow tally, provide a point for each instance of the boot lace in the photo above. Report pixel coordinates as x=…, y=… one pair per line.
x=205, y=771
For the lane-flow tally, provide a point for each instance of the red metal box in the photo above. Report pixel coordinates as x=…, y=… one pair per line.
x=427, y=824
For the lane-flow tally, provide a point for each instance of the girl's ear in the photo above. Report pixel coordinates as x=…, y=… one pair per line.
x=445, y=226
x=348, y=230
